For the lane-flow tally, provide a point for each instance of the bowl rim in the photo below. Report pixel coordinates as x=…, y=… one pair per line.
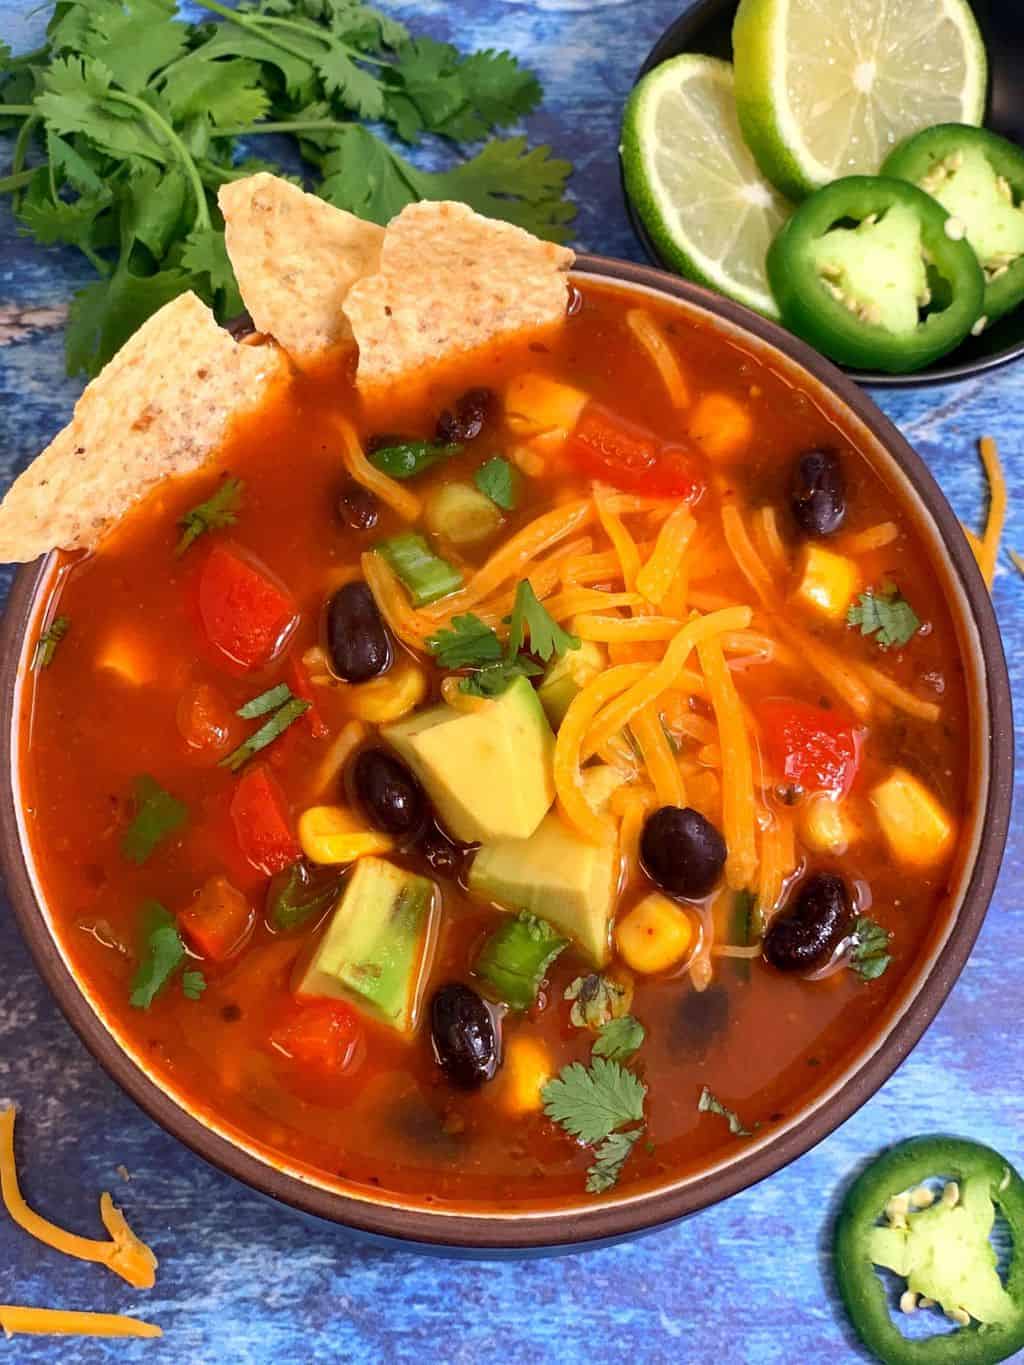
x=481, y=1231
x=678, y=37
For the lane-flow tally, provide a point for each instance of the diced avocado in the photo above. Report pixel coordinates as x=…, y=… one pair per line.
x=945, y=1254
x=557, y=876
x=567, y=675
x=374, y=950
x=878, y=266
x=487, y=770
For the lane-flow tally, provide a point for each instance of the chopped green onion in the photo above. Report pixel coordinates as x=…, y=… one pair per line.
x=425, y=574
x=266, y=701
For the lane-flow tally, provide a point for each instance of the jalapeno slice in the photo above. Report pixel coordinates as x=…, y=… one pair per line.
x=868, y=271
x=945, y=1256
x=978, y=177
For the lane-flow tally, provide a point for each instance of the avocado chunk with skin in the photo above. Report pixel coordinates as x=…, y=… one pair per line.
x=568, y=675
x=376, y=948
x=944, y=1253
x=556, y=876
x=487, y=770
x=878, y=267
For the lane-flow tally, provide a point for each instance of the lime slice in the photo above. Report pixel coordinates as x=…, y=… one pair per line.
x=710, y=212
x=826, y=90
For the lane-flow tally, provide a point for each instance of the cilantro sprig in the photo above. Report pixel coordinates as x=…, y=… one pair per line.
x=709, y=1103
x=870, y=955
x=158, y=815
x=219, y=510
x=499, y=481
x=131, y=119
x=885, y=614
x=46, y=645
x=163, y=953
x=283, y=709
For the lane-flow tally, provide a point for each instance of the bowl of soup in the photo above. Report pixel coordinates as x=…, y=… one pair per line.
x=532, y=810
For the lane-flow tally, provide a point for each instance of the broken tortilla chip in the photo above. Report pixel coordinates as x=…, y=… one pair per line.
x=295, y=258
x=161, y=407
x=450, y=281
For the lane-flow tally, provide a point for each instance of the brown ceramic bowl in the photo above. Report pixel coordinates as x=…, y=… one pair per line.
x=898, y=1030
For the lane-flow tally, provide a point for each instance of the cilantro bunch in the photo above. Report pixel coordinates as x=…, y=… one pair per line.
x=128, y=120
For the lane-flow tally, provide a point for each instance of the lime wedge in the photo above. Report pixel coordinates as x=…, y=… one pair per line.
x=708, y=209
x=826, y=90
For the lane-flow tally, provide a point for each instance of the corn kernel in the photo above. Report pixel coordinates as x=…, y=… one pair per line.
x=917, y=829
x=542, y=410
x=129, y=659
x=334, y=834
x=655, y=935
x=390, y=697
x=721, y=426
x=827, y=825
x=526, y=1070
x=828, y=582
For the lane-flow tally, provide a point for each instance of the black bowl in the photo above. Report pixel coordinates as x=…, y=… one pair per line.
x=707, y=27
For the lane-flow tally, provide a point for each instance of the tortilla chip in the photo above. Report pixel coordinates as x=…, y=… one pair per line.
x=449, y=282
x=295, y=258
x=160, y=407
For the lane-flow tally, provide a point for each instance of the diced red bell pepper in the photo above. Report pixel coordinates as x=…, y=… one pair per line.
x=628, y=457
x=815, y=748
x=219, y=921
x=259, y=813
x=298, y=681
x=320, y=1034
x=245, y=612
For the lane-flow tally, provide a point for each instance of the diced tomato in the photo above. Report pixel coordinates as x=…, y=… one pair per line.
x=246, y=614
x=323, y=1035
x=219, y=921
x=809, y=745
x=298, y=681
x=628, y=457
x=260, y=816
x=205, y=719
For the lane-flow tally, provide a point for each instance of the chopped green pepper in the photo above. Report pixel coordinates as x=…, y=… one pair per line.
x=425, y=574
x=870, y=271
x=940, y=1245
x=978, y=177
x=515, y=958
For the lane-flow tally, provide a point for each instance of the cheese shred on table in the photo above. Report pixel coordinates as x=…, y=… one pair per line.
x=986, y=546
x=64, y=1322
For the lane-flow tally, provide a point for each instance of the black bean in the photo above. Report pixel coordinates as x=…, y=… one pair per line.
x=441, y=854
x=700, y=1017
x=358, y=640
x=389, y=793
x=682, y=852
x=465, y=1036
x=806, y=936
x=467, y=421
x=818, y=494
x=358, y=507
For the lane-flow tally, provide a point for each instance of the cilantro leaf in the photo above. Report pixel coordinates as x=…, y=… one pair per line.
x=219, y=510
x=163, y=953
x=300, y=892
x=709, y=1104
x=597, y=1000
x=266, y=701
x=469, y=643
x=546, y=635
x=224, y=92
x=404, y=459
x=286, y=715
x=870, y=956
x=492, y=681
x=886, y=615
x=157, y=815
x=619, y=1038
x=193, y=984
x=591, y=1102
x=46, y=645
x=205, y=257
x=69, y=221
x=105, y=314
x=432, y=89
x=609, y=1158
x=135, y=38
x=498, y=481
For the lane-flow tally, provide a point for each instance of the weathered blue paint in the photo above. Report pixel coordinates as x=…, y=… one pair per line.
x=245, y=1282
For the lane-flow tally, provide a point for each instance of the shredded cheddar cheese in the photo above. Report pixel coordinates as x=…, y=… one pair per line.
x=66, y=1323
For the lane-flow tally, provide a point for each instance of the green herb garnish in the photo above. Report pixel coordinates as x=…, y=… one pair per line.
x=515, y=958
x=709, y=1104
x=163, y=953
x=492, y=681
x=408, y=458
x=287, y=715
x=299, y=893
x=265, y=702
x=619, y=1038
x=609, y=1159
x=747, y=928
x=218, y=511
x=529, y=617
x=46, y=645
x=596, y=1000
x=193, y=984
x=135, y=118
x=886, y=615
x=499, y=481
x=870, y=956
x=469, y=643
x=157, y=815
x=590, y=1103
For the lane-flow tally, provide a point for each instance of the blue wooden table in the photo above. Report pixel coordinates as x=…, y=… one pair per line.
x=242, y=1280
